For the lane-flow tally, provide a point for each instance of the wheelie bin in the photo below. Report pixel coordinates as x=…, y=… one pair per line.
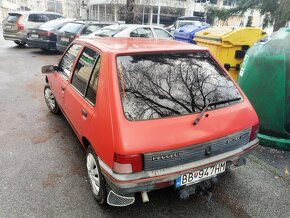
x=186, y=33
x=265, y=79
x=229, y=44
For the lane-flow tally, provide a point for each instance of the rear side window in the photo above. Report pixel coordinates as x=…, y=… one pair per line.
x=12, y=18
x=162, y=85
x=38, y=18
x=72, y=27
x=68, y=59
x=83, y=69
x=93, y=84
x=162, y=34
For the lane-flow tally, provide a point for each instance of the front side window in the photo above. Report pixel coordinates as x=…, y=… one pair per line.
x=83, y=69
x=68, y=59
x=162, y=85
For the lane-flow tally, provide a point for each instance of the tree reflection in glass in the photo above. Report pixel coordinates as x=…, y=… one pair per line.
x=171, y=84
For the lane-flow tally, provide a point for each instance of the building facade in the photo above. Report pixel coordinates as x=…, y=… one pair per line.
x=7, y=6
x=146, y=11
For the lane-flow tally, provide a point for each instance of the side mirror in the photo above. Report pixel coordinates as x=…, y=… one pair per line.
x=48, y=69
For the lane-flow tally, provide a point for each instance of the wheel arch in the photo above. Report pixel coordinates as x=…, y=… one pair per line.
x=86, y=143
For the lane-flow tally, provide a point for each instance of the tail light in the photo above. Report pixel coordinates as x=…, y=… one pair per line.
x=254, y=132
x=45, y=33
x=127, y=163
x=20, y=26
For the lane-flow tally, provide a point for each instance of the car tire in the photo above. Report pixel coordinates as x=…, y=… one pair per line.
x=96, y=178
x=20, y=43
x=50, y=100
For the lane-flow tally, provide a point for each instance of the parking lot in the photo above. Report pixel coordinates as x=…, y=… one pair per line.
x=43, y=172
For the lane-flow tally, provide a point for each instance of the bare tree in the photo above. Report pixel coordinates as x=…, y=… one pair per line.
x=130, y=11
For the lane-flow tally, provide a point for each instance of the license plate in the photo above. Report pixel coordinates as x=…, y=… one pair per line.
x=64, y=39
x=34, y=35
x=194, y=177
x=8, y=27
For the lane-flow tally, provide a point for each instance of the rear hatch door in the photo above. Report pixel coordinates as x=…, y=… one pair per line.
x=10, y=23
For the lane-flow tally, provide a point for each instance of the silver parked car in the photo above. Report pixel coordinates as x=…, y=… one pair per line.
x=16, y=24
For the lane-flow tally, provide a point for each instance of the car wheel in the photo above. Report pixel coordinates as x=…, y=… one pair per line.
x=20, y=43
x=97, y=180
x=50, y=100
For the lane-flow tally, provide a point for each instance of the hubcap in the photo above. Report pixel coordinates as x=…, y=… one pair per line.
x=49, y=98
x=93, y=173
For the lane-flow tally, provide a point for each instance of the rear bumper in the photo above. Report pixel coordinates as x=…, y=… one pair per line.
x=15, y=37
x=60, y=47
x=127, y=184
x=41, y=44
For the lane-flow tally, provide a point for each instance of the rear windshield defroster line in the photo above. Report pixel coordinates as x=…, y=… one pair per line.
x=160, y=85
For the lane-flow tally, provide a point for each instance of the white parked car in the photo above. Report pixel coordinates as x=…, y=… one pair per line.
x=132, y=30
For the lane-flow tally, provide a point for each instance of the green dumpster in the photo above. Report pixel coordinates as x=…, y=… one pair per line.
x=265, y=79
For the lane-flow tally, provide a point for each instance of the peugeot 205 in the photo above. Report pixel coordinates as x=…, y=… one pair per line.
x=150, y=114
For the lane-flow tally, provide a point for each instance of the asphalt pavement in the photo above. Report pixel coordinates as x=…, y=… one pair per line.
x=42, y=163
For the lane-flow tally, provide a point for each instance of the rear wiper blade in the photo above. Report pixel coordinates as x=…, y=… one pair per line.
x=211, y=104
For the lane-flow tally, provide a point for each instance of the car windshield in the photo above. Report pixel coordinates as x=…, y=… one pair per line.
x=72, y=27
x=110, y=30
x=161, y=85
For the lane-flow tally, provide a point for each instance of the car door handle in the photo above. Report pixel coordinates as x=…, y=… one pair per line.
x=84, y=113
x=62, y=88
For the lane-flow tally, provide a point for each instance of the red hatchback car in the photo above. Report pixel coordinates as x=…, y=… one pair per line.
x=150, y=114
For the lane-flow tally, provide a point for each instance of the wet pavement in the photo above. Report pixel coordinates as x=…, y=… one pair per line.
x=42, y=164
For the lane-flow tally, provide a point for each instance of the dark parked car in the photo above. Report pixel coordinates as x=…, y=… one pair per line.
x=45, y=35
x=75, y=29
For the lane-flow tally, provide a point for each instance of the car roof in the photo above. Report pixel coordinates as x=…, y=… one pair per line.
x=136, y=25
x=91, y=22
x=32, y=12
x=137, y=45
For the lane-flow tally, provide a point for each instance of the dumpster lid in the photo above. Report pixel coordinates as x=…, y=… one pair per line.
x=188, y=30
x=234, y=35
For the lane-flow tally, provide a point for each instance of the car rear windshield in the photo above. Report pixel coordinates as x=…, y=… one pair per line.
x=53, y=23
x=13, y=17
x=162, y=85
x=110, y=31
x=72, y=27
